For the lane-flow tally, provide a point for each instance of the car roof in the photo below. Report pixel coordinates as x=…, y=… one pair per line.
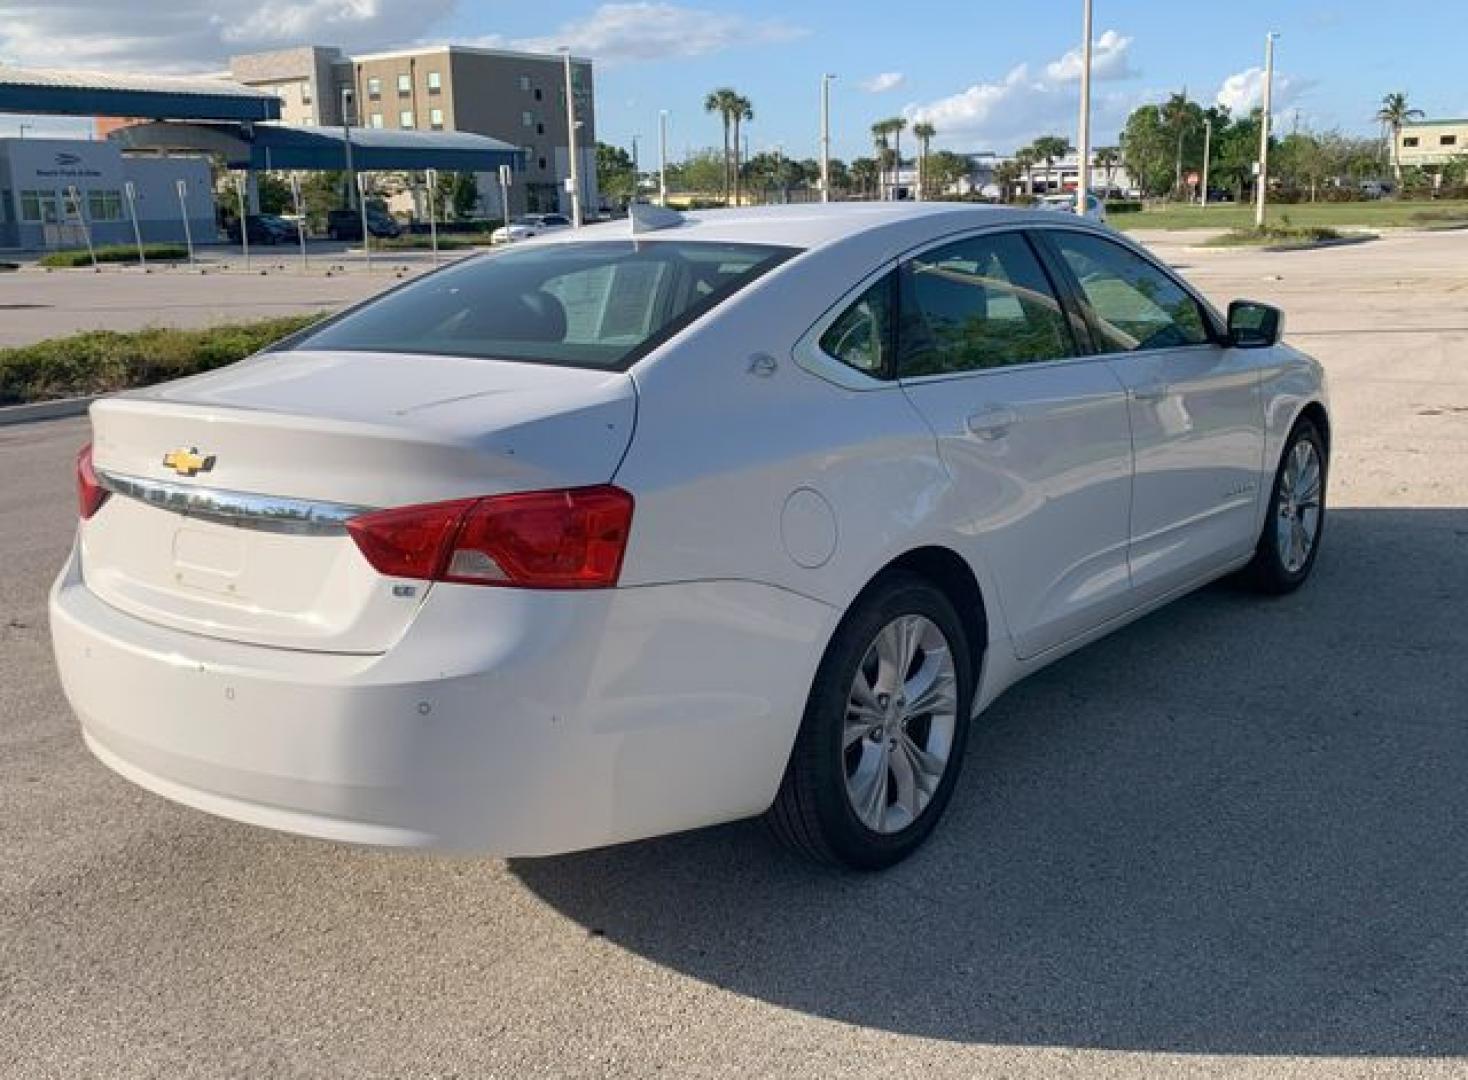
x=817, y=225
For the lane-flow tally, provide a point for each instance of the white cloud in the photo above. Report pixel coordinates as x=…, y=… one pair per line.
x=1023, y=104
x=194, y=35
x=883, y=81
x=1109, y=60
x=653, y=30
x=1244, y=91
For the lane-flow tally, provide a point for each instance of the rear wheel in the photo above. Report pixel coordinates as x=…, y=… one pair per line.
x=884, y=731
x=1287, y=547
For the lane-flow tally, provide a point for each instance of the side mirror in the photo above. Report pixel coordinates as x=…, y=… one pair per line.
x=1252, y=325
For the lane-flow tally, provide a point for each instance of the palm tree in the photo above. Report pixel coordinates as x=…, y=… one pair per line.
x=1393, y=114
x=1047, y=149
x=742, y=111
x=923, y=132
x=864, y=173
x=721, y=101
x=1177, y=117
x=882, y=149
x=1025, y=158
x=1108, y=158
x=895, y=127
x=1006, y=175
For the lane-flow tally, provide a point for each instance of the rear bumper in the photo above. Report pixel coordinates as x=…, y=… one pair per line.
x=506, y=721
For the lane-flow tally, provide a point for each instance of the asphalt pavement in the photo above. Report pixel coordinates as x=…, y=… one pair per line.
x=1230, y=840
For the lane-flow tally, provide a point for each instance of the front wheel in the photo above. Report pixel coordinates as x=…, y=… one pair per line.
x=884, y=731
x=1286, y=551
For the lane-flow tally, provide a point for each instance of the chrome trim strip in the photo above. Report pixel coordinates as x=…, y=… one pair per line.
x=242, y=509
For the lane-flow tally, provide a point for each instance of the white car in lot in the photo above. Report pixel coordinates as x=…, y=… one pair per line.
x=612, y=534
x=529, y=225
x=1095, y=208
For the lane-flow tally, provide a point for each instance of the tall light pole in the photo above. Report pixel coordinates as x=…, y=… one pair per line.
x=1207, y=151
x=575, y=184
x=826, y=137
x=1083, y=140
x=347, y=141
x=662, y=157
x=1264, y=121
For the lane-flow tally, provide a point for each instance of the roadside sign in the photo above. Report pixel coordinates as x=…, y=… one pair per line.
x=507, y=176
x=1193, y=179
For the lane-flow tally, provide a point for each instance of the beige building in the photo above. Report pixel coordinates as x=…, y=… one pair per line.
x=518, y=97
x=1431, y=142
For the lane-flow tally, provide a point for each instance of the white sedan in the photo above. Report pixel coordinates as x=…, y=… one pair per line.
x=1095, y=208
x=623, y=532
x=529, y=225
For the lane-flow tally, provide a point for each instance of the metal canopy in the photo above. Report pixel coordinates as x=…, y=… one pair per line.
x=271, y=146
x=86, y=93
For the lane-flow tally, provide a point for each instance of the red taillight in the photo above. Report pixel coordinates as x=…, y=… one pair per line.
x=90, y=494
x=572, y=539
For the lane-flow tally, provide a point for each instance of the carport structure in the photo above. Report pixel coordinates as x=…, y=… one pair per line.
x=47, y=92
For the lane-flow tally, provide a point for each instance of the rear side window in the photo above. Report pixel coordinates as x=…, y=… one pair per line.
x=596, y=304
x=984, y=302
x=861, y=337
x=1136, y=305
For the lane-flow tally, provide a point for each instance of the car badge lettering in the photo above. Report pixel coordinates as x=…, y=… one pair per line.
x=188, y=462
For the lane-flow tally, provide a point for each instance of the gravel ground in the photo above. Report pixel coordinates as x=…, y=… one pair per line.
x=1231, y=840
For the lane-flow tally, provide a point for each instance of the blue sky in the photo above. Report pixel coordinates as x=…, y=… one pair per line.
x=990, y=76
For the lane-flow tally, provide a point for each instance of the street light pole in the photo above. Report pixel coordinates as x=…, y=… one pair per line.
x=826, y=137
x=1207, y=152
x=347, y=141
x=1083, y=141
x=571, y=142
x=663, y=157
x=1264, y=121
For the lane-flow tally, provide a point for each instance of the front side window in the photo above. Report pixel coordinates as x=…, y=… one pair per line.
x=861, y=336
x=375, y=119
x=435, y=82
x=374, y=88
x=435, y=118
x=1410, y=140
x=984, y=302
x=405, y=119
x=1134, y=303
x=405, y=84
x=40, y=207
x=596, y=304
x=1448, y=140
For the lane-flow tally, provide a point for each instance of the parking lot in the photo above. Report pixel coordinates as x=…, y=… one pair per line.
x=1230, y=840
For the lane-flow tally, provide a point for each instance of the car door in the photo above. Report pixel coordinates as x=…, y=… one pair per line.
x=1035, y=436
x=1195, y=412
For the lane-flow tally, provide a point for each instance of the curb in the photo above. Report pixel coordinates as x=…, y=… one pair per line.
x=45, y=410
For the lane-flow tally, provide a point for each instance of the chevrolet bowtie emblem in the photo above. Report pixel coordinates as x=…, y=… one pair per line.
x=188, y=462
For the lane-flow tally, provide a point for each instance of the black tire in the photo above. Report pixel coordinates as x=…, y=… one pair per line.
x=1269, y=572
x=812, y=814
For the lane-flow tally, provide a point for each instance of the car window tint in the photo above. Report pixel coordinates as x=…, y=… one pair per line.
x=1137, y=305
x=593, y=304
x=860, y=336
x=979, y=303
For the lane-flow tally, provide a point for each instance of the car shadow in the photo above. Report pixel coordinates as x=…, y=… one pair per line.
x=1238, y=826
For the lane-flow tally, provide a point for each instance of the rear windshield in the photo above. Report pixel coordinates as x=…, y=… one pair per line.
x=596, y=304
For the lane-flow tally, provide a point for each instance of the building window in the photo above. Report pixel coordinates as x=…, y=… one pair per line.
x=527, y=120
x=405, y=85
x=542, y=164
x=308, y=120
x=405, y=119
x=1410, y=140
x=525, y=83
x=538, y=94
x=435, y=82
x=375, y=120
x=1448, y=140
x=104, y=205
x=374, y=89
x=40, y=207
x=435, y=119
x=305, y=93
x=540, y=129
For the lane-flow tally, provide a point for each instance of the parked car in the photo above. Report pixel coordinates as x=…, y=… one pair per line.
x=1377, y=189
x=1095, y=208
x=645, y=527
x=523, y=228
x=263, y=229
x=347, y=224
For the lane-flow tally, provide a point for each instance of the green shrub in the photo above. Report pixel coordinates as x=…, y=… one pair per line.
x=1284, y=233
x=101, y=361
x=114, y=254
x=1123, y=206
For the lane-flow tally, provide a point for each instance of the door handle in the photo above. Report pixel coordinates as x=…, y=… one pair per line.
x=1150, y=392
x=992, y=422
